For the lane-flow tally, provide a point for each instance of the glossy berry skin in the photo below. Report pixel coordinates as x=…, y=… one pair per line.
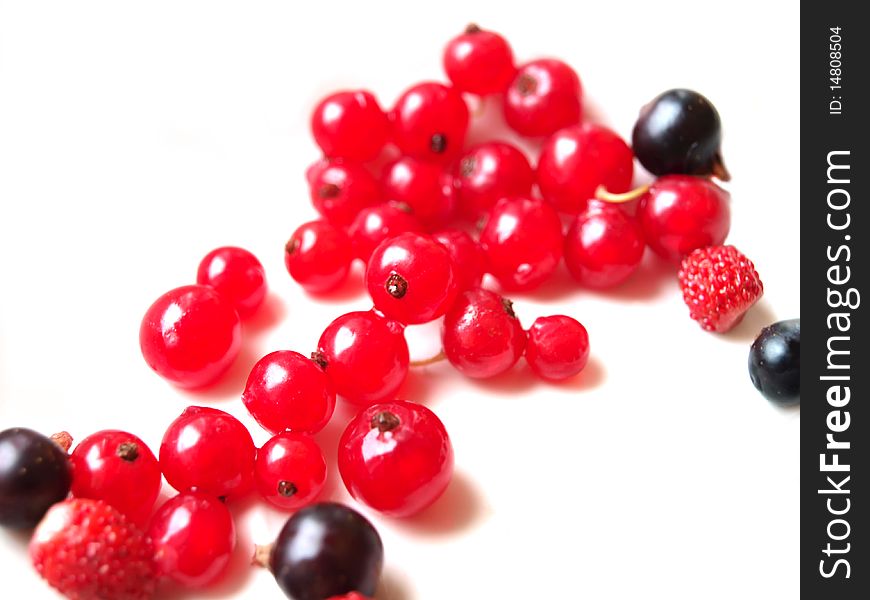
x=34, y=474
x=576, y=160
x=190, y=335
x=340, y=190
x=425, y=187
x=558, y=347
x=350, y=124
x=287, y=391
x=378, y=223
x=603, y=247
x=210, y=451
x=194, y=537
x=396, y=458
x=523, y=242
x=544, y=96
x=482, y=336
x=118, y=468
x=318, y=256
x=430, y=121
x=479, y=62
x=679, y=132
x=681, y=213
x=719, y=284
x=488, y=172
x=327, y=550
x=290, y=470
x=365, y=357
x=235, y=274
x=86, y=549
x=469, y=260
x=775, y=362
x=410, y=278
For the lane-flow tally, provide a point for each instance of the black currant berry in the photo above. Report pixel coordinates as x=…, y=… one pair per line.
x=679, y=132
x=327, y=550
x=775, y=361
x=34, y=474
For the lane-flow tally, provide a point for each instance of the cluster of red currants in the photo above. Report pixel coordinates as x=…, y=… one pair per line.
x=430, y=217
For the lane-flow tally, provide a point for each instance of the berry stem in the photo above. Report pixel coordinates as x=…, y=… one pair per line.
x=429, y=361
x=396, y=286
x=261, y=555
x=602, y=194
x=128, y=451
x=63, y=439
x=287, y=489
x=385, y=421
x=720, y=172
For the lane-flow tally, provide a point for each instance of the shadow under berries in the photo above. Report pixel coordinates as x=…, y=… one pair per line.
x=426, y=384
x=592, y=376
x=393, y=586
x=266, y=317
x=759, y=316
x=328, y=439
x=514, y=382
x=459, y=509
x=352, y=288
x=231, y=384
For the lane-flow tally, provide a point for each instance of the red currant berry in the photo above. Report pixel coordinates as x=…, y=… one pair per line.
x=364, y=355
x=285, y=390
x=430, y=121
x=558, y=347
x=235, y=274
x=119, y=469
x=681, y=213
x=209, y=451
x=489, y=172
x=194, y=538
x=544, y=96
x=479, y=62
x=522, y=239
x=190, y=335
x=396, y=458
x=291, y=470
x=375, y=224
x=603, y=247
x=482, y=336
x=350, y=124
x=410, y=278
x=469, y=260
x=318, y=256
x=576, y=160
x=423, y=186
x=340, y=190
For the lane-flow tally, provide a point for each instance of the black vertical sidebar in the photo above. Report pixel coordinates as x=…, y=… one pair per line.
x=835, y=226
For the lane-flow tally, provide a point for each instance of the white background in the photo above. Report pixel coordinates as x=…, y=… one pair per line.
x=135, y=137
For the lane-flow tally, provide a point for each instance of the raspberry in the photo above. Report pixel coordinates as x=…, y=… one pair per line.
x=86, y=549
x=719, y=285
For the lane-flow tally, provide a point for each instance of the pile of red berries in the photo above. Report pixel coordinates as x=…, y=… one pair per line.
x=430, y=217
